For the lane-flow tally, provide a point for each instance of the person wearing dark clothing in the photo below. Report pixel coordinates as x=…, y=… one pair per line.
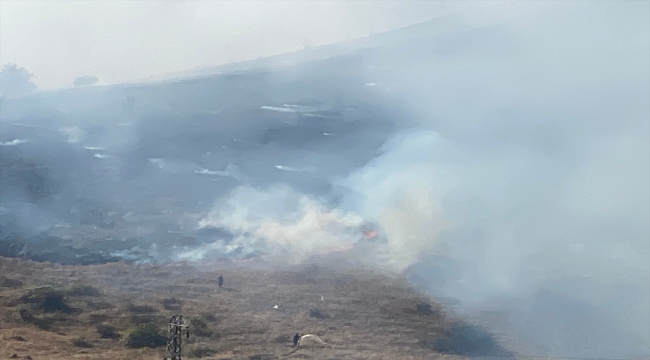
x=220, y=281
x=296, y=338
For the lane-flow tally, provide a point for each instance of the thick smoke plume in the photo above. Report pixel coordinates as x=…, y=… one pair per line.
x=523, y=190
x=499, y=158
x=393, y=192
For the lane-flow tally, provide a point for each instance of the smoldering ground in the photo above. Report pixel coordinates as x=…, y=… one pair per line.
x=504, y=162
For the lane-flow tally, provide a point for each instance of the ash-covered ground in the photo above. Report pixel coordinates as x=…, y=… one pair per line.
x=129, y=179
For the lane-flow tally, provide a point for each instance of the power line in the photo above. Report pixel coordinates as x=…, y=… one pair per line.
x=177, y=326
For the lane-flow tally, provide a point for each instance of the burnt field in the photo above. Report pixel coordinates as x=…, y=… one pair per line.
x=84, y=184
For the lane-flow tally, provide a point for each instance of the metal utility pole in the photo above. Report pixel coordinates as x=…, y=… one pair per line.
x=177, y=325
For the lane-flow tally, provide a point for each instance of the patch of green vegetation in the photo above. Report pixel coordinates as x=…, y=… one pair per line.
x=138, y=319
x=10, y=283
x=468, y=340
x=144, y=335
x=47, y=299
x=141, y=309
x=262, y=357
x=43, y=321
x=107, y=331
x=282, y=339
x=98, y=305
x=27, y=317
x=98, y=318
x=318, y=314
x=200, y=328
x=81, y=343
x=202, y=352
x=424, y=309
x=172, y=304
x=83, y=290
x=209, y=317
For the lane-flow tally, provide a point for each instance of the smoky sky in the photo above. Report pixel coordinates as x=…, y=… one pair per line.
x=121, y=41
x=501, y=152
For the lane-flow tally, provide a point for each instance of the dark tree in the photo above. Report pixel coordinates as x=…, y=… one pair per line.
x=15, y=82
x=87, y=80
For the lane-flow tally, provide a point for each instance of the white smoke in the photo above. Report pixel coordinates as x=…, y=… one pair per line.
x=532, y=194
x=283, y=223
x=525, y=185
x=73, y=133
x=396, y=195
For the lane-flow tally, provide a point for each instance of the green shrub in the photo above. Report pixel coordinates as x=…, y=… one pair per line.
x=82, y=343
x=424, y=309
x=10, y=283
x=107, y=331
x=42, y=322
x=468, y=340
x=199, y=328
x=83, y=290
x=202, y=352
x=209, y=317
x=141, y=309
x=282, y=339
x=98, y=305
x=98, y=318
x=318, y=314
x=137, y=319
x=47, y=299
x=144, y=335
x=172, y=304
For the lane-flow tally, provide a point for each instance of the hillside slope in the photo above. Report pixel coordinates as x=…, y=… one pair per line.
x=361, y=314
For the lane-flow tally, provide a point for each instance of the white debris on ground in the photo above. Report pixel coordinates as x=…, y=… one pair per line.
x=277, y=108
x=13, y=142
x=310, y=338
x=294, y=169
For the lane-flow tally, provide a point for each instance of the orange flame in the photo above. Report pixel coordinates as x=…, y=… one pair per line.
x=369, y=234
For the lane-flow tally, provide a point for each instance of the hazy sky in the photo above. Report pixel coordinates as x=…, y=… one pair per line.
x=122, y=41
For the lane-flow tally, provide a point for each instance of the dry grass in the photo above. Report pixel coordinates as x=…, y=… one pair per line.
x=362, y=315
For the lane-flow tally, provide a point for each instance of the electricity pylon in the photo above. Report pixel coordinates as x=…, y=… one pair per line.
x=177, y=326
